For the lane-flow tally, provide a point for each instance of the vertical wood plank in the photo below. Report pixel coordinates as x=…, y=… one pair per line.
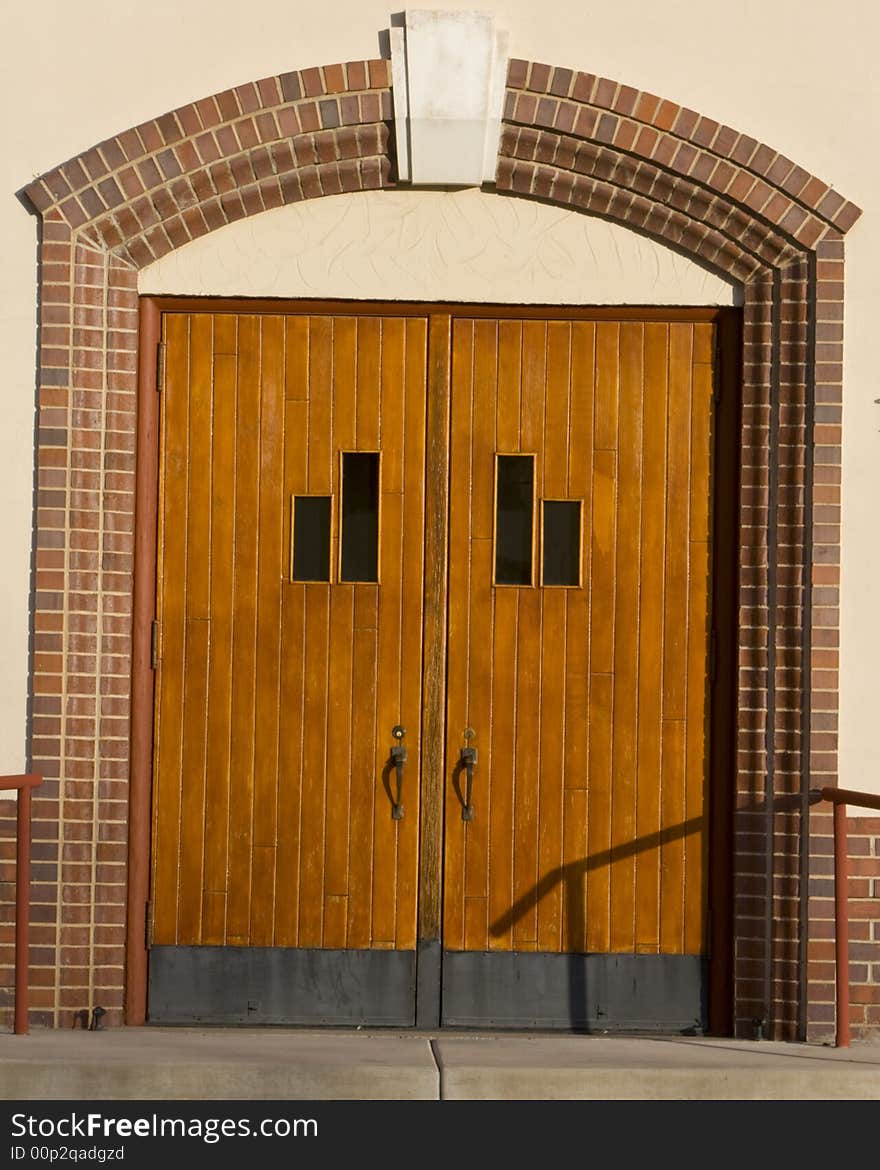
x=509, y=385
x=293, y=648
x=501, y=894
x=270, y=566
x=485, y=375
x=413, y=570
x=369, y=359
x=341, y=694
x=607, y=382
x=244, y=632
x=579, y=482
x=697, y=751
x=626, y=634
x=197, y=511
x=480, y=627
x=527, y=763
x=699, y=618
x=290, y=763
x=296, y=358
x=580, y=450
x=458, y=623
x=296, y=471
x=550, y=776
x=385, y=829
x=599, y=812
x=475, y=923
x=701, y=441
x=677, y=522
x=366, y=607
x=321, y=456
x=557, y=410
x=171, y=613
x=650, y=687
x=350, y=368
x=554, y=645
x=262, y=895
x=198, y=502
x=365, y=789
x=220, y=668
x=576, y=693
x=479, y=717
x=344, y=379
x=314, y=767
x=675, y=637
x=391, y=420
x=704, y=343
x=672, y=850
x=335, y=920
x=433, y=775
x=338, y=770
x=533, y=392
x=602, y=574
x=389, y=408
x=575, y=871
x=192, y=804
x=603, y=557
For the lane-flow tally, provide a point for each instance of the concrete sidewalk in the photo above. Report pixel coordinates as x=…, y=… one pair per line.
x=274, y=1064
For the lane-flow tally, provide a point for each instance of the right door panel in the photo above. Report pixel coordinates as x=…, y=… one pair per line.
x=576, y=894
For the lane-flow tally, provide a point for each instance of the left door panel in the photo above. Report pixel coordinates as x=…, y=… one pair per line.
x=283, y=888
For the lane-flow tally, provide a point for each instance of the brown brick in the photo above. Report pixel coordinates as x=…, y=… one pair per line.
x=604, y=92
x=539, y=78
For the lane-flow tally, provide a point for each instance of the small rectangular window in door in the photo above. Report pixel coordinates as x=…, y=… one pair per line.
x=514, y=519
x=359, y=539
x=561, y=542
x=310, y=524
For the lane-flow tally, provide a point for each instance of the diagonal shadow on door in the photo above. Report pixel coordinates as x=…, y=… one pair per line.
x=572, y=877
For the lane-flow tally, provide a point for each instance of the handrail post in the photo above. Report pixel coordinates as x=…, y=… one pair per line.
x=23, y=786
x=841, y=923
x=22, y=906
x=839, y=798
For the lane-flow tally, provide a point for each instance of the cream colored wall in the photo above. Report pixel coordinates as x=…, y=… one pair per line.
x=74, y=74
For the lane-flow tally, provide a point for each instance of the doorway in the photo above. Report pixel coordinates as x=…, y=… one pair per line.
x=357, y=821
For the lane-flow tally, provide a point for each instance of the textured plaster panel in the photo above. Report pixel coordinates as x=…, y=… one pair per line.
x=435, y=245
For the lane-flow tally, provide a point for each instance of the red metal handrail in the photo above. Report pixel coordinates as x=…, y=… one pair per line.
x=840, y=798
x=23, y=784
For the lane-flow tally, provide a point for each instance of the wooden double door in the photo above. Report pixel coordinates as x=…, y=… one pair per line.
x=432, y=660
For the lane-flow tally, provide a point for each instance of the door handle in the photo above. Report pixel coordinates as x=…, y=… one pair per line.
x=398, y=759
x=467, y=758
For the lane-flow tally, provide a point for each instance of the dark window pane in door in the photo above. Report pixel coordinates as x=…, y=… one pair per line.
x=514, y=505
x=562, y=542
x=360, y=516
x=311, y=538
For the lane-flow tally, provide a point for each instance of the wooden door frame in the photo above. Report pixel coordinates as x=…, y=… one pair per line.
x=432, y=780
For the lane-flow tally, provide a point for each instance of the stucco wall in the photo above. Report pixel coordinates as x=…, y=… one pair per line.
x=75, y=74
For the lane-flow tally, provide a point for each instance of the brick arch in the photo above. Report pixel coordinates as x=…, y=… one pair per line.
x=568, y=138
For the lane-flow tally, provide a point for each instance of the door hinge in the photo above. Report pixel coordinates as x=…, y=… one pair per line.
x=148, y=925
x=154, y=644
x=160, y=367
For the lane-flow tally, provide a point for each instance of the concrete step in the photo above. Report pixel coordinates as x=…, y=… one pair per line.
x=309, y=1065
x=601, y=1068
